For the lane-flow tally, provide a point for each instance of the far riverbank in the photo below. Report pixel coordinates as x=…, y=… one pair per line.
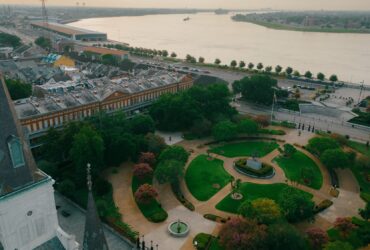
x=278, y=26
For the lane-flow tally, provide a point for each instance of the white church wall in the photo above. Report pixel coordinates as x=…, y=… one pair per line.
x=28, y=218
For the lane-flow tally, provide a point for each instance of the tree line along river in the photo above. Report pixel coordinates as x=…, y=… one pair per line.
x=217, y=36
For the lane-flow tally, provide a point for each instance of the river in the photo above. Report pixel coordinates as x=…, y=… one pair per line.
x=217, y=36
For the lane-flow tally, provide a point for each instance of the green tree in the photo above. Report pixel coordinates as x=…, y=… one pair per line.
x=289, y=70
x=164, y=53
x=18, y=89
x=248, y=126
x=66, y=187
x=233, y=63
x=224, y=131
x=259, y=66
x=142, y=124
x=122, y=148
x=318, y=145
x=169, y=171
x=48, y=167
x=295, y=206
x=87, y=147
x=333, y=78
x=201, y=59
x=201, y=128
x=308, y=74
x=317, y=237
x=268, y=69
x=250, y=66
x=365, y=213
x=8, y=40
x=278, y=69
x=265, y=211
x=145, y=194
x=283, y=236
x=177, y=153
x=240, y=234
x=258, y=88
x=296, y=73
x=217, y=61
x=241, y=64
x=155, y=143
x=335, y=158
x=336, y=245
x=321, y=76
x=43, y=42
x=173, y=55
x=109, y=59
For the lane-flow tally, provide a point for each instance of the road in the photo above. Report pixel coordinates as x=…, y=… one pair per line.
x=322, y=123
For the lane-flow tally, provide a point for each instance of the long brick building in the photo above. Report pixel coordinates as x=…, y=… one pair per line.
x=65, y=102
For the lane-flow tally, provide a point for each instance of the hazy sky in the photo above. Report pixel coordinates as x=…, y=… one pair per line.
x=244, y=4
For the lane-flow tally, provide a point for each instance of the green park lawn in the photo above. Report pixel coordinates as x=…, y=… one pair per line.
x=360, y=147
x=252, y=191
x=202, y=175
x=298, y=162
x=247, y=148
x=361, y=173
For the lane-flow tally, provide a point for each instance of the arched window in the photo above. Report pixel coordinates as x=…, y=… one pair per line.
x=16, y=152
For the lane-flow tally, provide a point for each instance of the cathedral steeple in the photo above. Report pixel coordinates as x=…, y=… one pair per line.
x=94, y=238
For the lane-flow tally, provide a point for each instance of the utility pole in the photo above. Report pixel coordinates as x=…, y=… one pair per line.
x=45, y=18
x=273, y=104
x=362, y=88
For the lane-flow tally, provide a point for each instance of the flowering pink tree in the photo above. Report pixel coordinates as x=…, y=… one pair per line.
x=344, y=226
x=147, y=157
x=142, y=171
x=239, y=233
x=145, y=194
x=317, y=237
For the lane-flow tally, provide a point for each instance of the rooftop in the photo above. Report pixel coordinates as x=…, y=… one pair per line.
x=104, y=51
x=66, y=29
x=62, y=95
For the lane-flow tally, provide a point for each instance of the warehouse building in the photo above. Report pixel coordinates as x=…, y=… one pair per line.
x=70, y=32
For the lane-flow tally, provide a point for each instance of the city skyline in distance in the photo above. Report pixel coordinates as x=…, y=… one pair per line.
x=210, y=4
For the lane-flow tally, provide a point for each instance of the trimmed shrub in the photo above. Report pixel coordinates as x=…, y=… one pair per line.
x=322, y=206
x=143, y=171
x=159, y=216
x=145, y=194
x=180, y=197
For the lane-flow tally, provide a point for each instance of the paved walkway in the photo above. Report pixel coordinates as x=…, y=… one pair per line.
x=124, y=199
x=157, y=232
x=346, y=204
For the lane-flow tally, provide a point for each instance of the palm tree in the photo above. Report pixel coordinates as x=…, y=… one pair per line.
x=217, y=61
x=201, y=59
x=173, y=55
x=250, y=66
x=268, y=69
